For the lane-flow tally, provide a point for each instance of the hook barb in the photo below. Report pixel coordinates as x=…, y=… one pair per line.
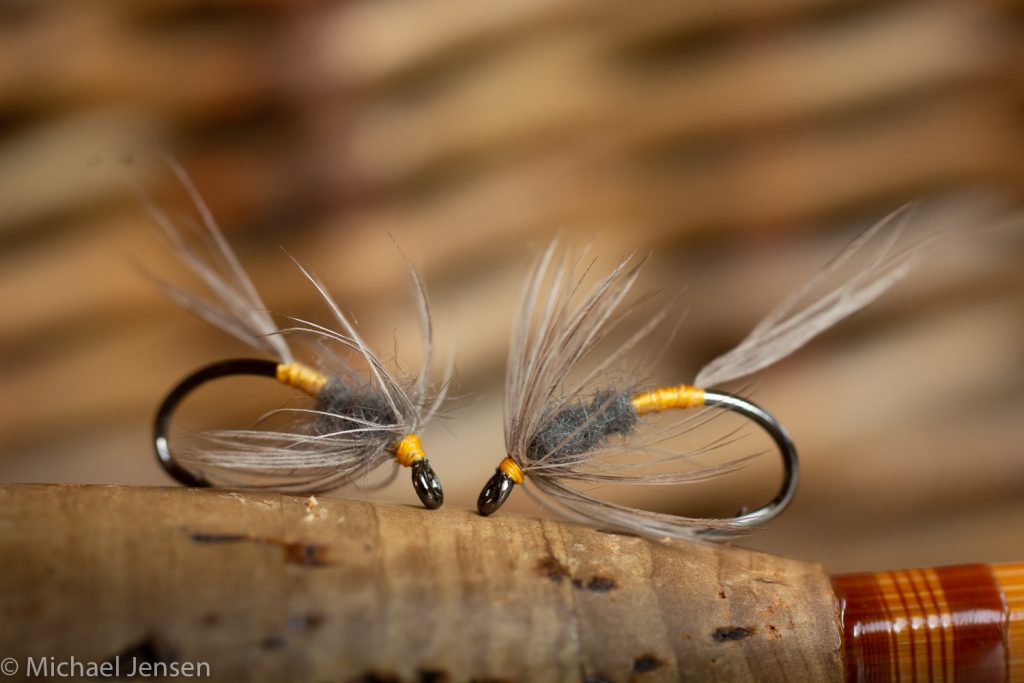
x=790, y=461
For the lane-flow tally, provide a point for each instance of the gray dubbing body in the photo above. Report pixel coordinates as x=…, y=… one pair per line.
x=584, y=426
x=341, y=401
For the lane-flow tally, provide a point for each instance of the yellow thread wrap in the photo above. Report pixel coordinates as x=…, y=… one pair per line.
x=409, y=450
x=511, y=469
x=301, y=377
x=668, y=398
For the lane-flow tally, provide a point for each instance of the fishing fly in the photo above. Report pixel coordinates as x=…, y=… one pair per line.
x=359, y=420
x=562, y=431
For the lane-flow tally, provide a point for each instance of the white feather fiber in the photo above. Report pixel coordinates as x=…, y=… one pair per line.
x=299, y=460
x=798, y=319
x=232, y=302
x=560, y=322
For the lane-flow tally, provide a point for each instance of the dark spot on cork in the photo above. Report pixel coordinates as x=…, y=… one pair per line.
x=432, y=676
x=210, y=619
x=551, y=568
x=306, y=622
x=218, y=538
x=307, y=554
x=721, y=594
x=645, y=663
x=726, y=633
x=126, y=158
x=601, y=584
x=150, y=649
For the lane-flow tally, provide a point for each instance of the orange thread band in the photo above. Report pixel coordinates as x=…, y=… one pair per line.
x=301, y=377
x=512, y=470
x=668, y=398
x=409, y=450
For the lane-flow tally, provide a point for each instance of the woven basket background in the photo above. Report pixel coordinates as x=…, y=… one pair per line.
x=741, y=142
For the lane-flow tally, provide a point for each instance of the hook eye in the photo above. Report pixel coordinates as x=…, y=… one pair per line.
x=162, y=422
x=790, y=461
x=494, y=493
x=427, y=485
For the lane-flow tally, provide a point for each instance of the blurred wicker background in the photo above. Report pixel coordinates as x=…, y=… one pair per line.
x=741, y=141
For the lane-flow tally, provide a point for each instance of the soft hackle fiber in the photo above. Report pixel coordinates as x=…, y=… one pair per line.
x=360, y=414
x=565, y=425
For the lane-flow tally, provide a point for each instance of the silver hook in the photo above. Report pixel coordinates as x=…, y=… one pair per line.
x=790, y=462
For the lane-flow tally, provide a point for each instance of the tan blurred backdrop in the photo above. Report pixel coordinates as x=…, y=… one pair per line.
x=739, y=141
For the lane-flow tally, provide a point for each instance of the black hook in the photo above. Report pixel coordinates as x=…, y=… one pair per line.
x=225, y=368
x=494, y=493
x=426, y=484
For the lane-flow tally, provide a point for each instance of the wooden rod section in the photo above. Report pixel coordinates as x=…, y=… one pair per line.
x=947, y=624
x=267, y=587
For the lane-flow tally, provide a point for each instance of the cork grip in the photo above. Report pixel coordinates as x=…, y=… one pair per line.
x=271, y=587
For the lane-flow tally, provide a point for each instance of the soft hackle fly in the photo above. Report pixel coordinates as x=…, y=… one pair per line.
x=360, y=420
x=561, y=430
